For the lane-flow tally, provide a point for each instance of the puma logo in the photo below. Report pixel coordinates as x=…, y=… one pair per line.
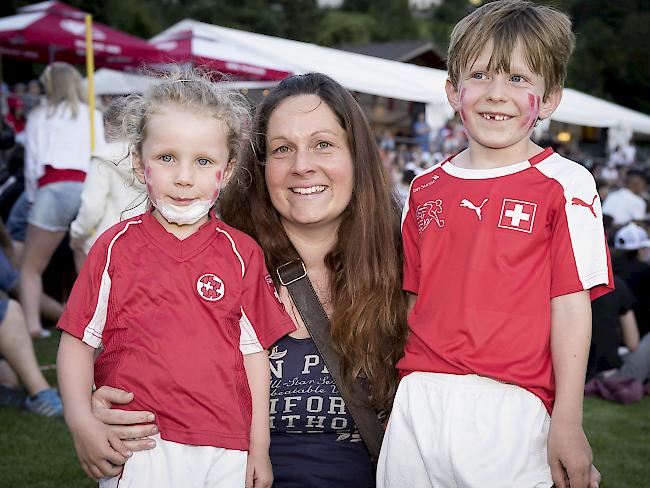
x=466, y=203
x=577, y=201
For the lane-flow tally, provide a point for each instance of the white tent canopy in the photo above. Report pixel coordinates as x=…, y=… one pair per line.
x=397, y=80
x=356, y=72
x=387, y=78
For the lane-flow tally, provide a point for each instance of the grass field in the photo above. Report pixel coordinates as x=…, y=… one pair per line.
x=38, y=453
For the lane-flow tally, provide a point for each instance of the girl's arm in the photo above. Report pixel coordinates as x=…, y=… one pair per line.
x=569, y=453
x=98, y=449
x=259, y=473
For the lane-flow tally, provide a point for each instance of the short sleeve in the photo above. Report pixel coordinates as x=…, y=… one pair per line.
x=579, y=254
x=263, y=317
x=411, y=265
x=86, y=311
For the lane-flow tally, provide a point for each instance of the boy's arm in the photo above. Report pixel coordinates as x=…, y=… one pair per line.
x=259, y=473
x=569, y=454
x=98, y=449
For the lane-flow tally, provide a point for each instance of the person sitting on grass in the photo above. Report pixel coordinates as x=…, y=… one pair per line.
x=18, y=351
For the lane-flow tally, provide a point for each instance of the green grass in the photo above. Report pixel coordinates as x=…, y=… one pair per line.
x=38, y=453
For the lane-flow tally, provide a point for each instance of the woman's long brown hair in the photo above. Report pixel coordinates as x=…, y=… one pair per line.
x=368, y=323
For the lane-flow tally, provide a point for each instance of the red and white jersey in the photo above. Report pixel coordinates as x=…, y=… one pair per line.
x=486, y=251
x=174, y=318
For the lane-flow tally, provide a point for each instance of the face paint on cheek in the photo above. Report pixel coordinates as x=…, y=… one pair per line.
x=533, y=111
x=218, y=177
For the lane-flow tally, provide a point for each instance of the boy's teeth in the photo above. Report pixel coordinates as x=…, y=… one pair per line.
x=496, y=117
x=309, y=190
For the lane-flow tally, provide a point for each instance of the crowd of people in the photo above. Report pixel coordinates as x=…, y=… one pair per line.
x=306, y=180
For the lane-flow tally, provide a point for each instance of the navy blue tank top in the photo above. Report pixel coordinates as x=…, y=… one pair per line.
x=314, y=441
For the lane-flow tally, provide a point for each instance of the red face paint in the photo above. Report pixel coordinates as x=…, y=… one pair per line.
x=147, y=172
x=218, y=177
x=533, y=113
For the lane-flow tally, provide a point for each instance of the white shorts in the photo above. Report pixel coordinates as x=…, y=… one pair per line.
x=174, y=465
x=464, y=431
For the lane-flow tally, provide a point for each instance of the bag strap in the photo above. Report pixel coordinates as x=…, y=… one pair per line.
x=293, y=275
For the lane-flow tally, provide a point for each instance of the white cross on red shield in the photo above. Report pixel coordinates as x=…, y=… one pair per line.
x=210, y=287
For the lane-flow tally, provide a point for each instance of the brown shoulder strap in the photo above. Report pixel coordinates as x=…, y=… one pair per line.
x=293, y=275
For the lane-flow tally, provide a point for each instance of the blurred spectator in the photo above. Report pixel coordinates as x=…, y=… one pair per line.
x=614, y=323
x=111, y=192
x=33, y=96
x=402, y=188
x=627, y=204
x=57, y=154
x=421, y=131
x=603, y=188
x=387, y=141
x=17, y=349
x=617, y=157
x=631, y=263
x=16, y=119
x=609, y=173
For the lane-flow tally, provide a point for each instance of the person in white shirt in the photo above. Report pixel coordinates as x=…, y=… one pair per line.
x=111, y=192
x=57, y=154
x=627, y=204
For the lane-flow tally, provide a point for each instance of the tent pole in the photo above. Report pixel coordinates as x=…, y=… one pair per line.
x=90, y=71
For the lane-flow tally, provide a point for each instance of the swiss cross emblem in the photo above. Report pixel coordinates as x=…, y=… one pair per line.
x=517, y=215
x=210, y=287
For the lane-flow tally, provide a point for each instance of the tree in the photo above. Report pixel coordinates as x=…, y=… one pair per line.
x=362, y=6
x=445, y=17
x=340, y=27
x=393, y=20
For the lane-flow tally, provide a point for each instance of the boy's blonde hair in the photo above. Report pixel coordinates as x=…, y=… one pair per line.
x=186, y=88
x=545, y=35
x=63, y=86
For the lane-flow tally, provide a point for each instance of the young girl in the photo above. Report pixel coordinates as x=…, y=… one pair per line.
x=175, y=297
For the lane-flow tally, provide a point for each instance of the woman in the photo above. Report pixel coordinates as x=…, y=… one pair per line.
x=311, y=186
x=57, y=153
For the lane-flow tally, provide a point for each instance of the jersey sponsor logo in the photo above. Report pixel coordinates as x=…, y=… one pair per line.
x=427, y=184
x=271, y=286
x=468, y=204
x=210, y=287
x=582, y=203
x=517, y=215
x=429, y=212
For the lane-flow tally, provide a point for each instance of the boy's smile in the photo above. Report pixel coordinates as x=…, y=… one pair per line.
x=499, y=108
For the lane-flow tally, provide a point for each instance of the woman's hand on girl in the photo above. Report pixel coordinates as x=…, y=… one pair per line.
x=132, y=427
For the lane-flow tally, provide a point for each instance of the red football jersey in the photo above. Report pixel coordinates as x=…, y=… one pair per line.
x=174, y=318
x=486, y=250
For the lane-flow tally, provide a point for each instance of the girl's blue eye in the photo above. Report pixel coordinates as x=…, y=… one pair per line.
x=166, y=158
x=517, y=78
x=204, y=162
x=478, y=76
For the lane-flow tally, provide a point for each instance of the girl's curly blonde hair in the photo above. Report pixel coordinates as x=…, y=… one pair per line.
x=187, y=88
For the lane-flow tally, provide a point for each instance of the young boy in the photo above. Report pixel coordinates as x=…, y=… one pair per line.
x=503, y=247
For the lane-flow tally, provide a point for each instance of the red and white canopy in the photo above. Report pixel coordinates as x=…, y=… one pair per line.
x=189, y=46
x=53, y=31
